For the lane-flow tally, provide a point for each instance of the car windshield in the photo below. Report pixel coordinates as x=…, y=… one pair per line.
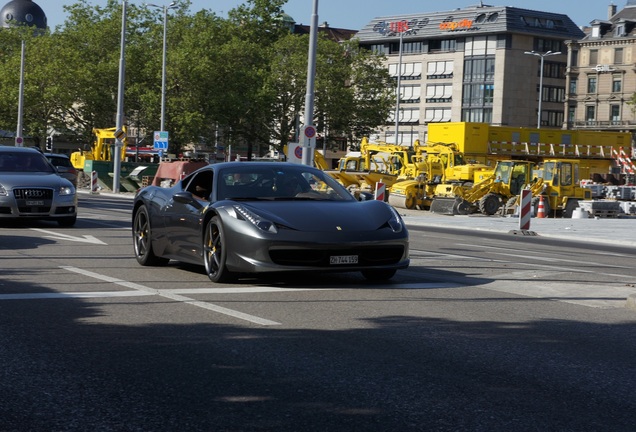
x=292, y=182
x=24, y=162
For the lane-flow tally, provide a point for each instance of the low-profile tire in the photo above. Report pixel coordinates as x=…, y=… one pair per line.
x=67, y=221
x=379, y=274
x=215, y=251
x=142, y=243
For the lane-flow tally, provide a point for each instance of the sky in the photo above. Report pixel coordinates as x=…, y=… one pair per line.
x=355, y=14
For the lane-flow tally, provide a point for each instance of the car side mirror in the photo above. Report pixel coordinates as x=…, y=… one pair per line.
x=185, y=197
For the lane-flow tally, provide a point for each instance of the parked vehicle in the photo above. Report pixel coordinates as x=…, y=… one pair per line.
x=258, y=217
x=63, y=165
x=30, y=188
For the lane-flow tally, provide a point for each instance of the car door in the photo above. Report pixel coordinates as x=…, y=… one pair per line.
x=184, y=215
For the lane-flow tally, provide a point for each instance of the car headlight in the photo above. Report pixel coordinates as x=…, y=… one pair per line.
x=255, y=219
x=3, y=191
x=67, y=190
x=395, y=222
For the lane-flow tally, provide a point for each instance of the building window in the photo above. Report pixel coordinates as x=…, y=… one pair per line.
x=479, y=69
x=571, y=114
x=407, y=115
x=618, y=56
x=410, y=71
x=480, y=45
x=553, y=94
x=615, y=114
x=439, y=93
x=442, y=45
x=593, y=58
x=591, y=84
x=617, y=84
x=545, y=45
x=573, y=83
x=437, y=115
x=575, y=58
x=411, y=47
x=477, y=115
x=439, y=69
x=478, y=94
x=380, y=49
x=590, y=114
x=411, y=93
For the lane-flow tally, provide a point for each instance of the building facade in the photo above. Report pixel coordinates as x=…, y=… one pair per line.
x=473, y=64
x=601, y=82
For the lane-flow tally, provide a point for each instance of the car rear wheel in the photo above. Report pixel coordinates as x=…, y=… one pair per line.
x=142, y=240
x=378, y=275
x=215, y=252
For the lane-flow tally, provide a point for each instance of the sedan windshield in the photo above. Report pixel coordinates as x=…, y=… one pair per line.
x=291, y=182
x=24, y=162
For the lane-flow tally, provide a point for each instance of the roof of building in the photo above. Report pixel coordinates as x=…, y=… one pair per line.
x=336, y=34
x=472, y=20
x=620, y=25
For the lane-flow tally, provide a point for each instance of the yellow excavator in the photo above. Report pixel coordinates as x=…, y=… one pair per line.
x=102, y=148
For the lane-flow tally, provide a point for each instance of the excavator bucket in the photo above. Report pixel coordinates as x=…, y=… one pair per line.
x=450, y=206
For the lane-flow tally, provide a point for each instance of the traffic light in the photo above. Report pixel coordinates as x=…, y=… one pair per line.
x=49, y=143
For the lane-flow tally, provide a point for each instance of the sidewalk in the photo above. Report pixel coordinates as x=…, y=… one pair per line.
x=612, y=231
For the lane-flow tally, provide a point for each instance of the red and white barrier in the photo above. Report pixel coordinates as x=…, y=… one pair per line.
x=94, y=185
x=525, y=210
x=380, y=191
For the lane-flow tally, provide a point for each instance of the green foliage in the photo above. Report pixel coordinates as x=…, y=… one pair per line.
x=240, y=80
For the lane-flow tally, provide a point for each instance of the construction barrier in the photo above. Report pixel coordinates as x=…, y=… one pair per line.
x=525, y=210
x=380, y=191
x=94, y=185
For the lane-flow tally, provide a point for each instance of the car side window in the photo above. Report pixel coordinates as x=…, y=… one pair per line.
x=201, y=185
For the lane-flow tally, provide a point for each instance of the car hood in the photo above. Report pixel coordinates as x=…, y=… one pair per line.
x=51, y=180
x=324, y=215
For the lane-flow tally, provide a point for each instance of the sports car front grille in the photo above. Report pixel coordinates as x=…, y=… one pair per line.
x=33, y=193
x=382, y=255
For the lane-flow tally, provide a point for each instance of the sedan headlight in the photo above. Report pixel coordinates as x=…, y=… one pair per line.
x=256, y=220
x=3, y=191
x=395, y=222
x=67, y=190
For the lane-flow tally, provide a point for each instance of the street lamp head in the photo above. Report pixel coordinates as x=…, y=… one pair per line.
x=22, y=12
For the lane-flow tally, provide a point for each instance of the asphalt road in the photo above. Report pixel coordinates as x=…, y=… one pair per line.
x=483, y=332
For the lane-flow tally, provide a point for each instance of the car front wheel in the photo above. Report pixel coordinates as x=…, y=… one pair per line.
x=215, y=251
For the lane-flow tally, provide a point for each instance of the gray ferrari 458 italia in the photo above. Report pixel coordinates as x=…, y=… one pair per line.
x=261, y=217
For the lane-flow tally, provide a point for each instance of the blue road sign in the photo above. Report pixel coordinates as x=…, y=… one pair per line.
x=160, y=140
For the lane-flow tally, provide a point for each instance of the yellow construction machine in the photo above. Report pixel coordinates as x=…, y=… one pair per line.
x=102, y=148
x=434, y=164
x=556, y=179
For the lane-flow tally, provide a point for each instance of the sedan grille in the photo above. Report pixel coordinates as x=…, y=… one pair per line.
x=367, y=256
x=33, y=200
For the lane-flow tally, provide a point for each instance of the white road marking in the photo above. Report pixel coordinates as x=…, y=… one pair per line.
x=59, y=236
x=176, y=297
x=66, y=295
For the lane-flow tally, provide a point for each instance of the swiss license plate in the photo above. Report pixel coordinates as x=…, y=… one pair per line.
x=343, y=259
x=35, y=203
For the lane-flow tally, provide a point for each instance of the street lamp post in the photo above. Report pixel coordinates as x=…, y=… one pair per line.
x=119, y=124
x=399, y=83
x=27, y=13
x=308, y=150
x=172, y=5
x=542, y=56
